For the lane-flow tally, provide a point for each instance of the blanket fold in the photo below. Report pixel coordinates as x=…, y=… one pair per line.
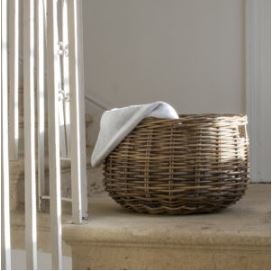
x=117, y=123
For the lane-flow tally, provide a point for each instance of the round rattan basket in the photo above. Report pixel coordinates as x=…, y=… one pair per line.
x=194, y=164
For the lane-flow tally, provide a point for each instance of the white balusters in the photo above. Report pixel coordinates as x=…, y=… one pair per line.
x=41, y=46
x=29, y=134
x=53, y=86
x=40, y=38
x=5, y=195
x=65, y=65
x=78, y=145
x=14, y=78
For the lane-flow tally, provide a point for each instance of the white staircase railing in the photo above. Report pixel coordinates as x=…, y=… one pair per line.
x=41, y=47
x=29, y=133
x=52, y=66
x=5, y=206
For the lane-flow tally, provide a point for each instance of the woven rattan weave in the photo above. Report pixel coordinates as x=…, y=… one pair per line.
x=195, y=164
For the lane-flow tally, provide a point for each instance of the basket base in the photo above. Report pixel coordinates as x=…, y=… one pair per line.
x=151, y=206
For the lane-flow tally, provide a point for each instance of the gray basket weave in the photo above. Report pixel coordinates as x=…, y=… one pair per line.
x=195, y=164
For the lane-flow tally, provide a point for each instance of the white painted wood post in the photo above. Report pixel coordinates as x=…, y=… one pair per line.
x=14, y=78
x=63, y=51
x=40, y=38
x=78, y=144
x=61, y=112
x=65, y=65
x=29, y=135
x=53, y=87
x=258, y=87
x=5, y=206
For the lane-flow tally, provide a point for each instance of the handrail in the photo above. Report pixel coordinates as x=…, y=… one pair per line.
x=95, y=102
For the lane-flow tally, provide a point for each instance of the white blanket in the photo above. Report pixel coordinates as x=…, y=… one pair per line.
x=117, y=123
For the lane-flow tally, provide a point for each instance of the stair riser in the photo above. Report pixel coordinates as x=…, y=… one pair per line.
x=127, y=256
x=94, y=179
x=21, y=144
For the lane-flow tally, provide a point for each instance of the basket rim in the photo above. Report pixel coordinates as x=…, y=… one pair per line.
x=213, y=115
x=202, y=118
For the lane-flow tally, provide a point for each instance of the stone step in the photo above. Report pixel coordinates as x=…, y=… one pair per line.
x=43, y=228
x=94, y=176
x=94, y=182
x=114, y=238
x=44, y=243
x=17, y=180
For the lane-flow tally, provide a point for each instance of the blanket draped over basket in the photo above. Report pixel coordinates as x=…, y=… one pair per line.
x=194, y=164
x=117, y=123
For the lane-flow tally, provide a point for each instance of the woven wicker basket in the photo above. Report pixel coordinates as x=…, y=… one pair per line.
x=195, y=164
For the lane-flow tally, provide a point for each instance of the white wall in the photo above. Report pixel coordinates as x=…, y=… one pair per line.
x=189, y=53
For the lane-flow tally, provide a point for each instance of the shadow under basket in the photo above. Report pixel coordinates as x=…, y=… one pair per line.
x=194, y=164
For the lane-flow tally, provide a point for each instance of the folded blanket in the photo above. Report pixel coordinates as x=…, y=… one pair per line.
x=117, y=123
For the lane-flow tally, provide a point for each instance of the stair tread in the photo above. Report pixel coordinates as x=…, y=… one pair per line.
x=114, y=238
x=246, y=223
x=43, y=229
